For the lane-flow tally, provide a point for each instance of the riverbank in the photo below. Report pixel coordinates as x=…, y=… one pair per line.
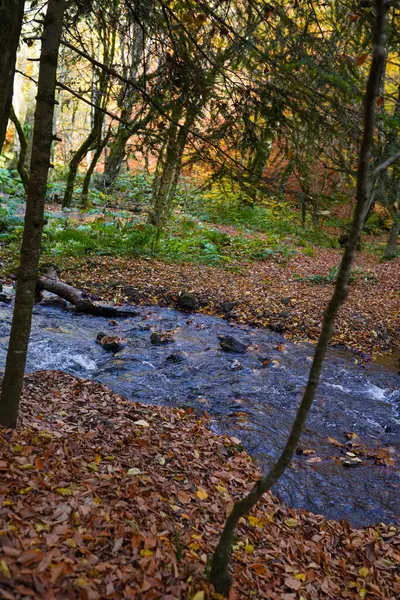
x=103, y=498
x=288, y=296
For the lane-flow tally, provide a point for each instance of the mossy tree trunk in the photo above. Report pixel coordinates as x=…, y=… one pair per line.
x=88, y=144
x=169, y=166
x=33, y=225
x=86, y=182
x=93, y=140
x=116, y=156
x=127, y=100
x=391, y=244
x=220, y=576
x=21, y=168
x=11, y=15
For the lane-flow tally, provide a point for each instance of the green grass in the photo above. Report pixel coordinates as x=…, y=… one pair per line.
x=262, y=231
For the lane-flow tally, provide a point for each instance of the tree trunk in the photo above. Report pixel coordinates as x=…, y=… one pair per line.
x=391, y=244
x=126, y=102
x=11, y=15
x=33, y=226
x=116, y=156
x=51, y=283
x=77, y=158
x=21, y=168
x=219, y=571
x=86, y=182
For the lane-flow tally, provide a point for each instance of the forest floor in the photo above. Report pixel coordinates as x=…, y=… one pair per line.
x=288, y=295
x=99, y=500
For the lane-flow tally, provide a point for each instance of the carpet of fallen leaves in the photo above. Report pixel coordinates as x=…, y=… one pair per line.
x=274, y=293
x=102, y=498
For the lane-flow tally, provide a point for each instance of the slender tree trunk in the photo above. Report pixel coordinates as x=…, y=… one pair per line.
x=21, y=168
x=77, y=158
x=219, y=572
x=86, y=182
x=33, y=226
x=126, y=102
x=116, y=156
x=11, y=15
x=391, y=244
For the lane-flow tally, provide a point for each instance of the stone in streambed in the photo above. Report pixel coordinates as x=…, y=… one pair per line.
x=159, y=338
x=229, y=343
x=187, y=301
x=109, y=342
x=176, y=357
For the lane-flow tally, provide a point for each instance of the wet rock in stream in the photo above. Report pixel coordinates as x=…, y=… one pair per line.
x=231, y=344
x=255, y=403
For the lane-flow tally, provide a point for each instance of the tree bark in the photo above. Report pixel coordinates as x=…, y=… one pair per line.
x=21, y=168
x=391, y=244
x=116, y=156
x=77, y=158
x=51, y=283
x=11, y=15
x=86, y=182
x=220, y=576
x=33, y=226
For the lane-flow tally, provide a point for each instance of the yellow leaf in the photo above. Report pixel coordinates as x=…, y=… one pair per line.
x=71, y=543
x=249, y=549
x=24, y=491
x=97, y=459
x=300, y=576
x=146, y=552
x=27, y=466
x=4, y=568
x=194, y=546
x=64, y=491
x=255, y=522
x=291, y=522
x=41, y=527
x=93, y=466
x=8, y=503
x=222, y=489
x=363, y=592
x=199, y=596
x=202, y=494
x=363, y=572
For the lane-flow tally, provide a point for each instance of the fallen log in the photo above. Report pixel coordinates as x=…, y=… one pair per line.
x=52, y=283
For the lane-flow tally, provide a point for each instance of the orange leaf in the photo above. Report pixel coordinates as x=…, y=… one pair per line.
x=361, y=59
x=39, y=464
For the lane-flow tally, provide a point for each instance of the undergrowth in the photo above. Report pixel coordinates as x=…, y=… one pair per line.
x=116, y=224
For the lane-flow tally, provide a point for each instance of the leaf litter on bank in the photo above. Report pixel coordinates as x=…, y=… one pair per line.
x=271, y=293
x=94, y=504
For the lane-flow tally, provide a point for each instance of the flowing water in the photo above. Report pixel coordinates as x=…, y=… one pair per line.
x=252, y=396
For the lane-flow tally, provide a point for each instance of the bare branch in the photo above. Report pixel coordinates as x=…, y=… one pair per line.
x=385, y=165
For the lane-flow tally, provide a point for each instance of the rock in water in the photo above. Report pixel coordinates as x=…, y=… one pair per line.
x=176, y=357
x=159, y=338
x=187, y=301
x=231, y=344
x=109, y=342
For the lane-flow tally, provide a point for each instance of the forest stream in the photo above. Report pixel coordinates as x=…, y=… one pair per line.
x=252, y=396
